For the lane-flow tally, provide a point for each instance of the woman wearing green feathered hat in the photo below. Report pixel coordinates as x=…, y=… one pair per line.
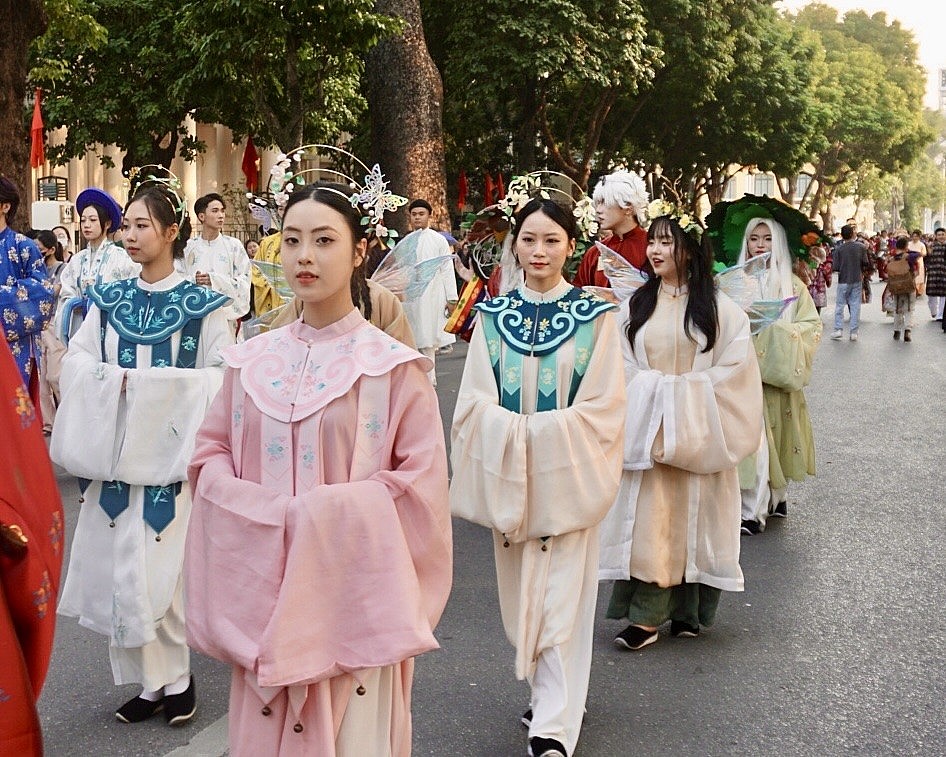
x=740, y=230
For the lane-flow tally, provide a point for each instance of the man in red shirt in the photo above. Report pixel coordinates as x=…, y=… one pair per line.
x=621, y=203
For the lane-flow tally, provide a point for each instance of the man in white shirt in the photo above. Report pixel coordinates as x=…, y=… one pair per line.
x=428, y=313
x=216, y=260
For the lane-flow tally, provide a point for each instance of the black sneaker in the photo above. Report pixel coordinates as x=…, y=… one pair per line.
x=542, y=747
x=781, y=510
x=179, y=708
x=138, y=710
x=684, y=630
x=750, y=527
x=635, y=637
x=526, y=718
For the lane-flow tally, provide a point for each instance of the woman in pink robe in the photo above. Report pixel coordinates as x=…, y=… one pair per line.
x=319, y=556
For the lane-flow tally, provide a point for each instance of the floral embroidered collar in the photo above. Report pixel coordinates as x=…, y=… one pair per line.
x=292, y=372
x=534, y=323
x=144, y=313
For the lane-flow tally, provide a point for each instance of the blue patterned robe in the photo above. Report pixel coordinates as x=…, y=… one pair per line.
x=26, y=298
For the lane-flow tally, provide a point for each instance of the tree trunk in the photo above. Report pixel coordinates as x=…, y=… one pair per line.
x=24, y=20
x=405, y=100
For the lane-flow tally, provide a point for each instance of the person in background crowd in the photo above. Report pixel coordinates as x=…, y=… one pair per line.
x=252, y=247
x=214, y=259
x=849, y=260
x=53, y=349
x=428, y=314
x=821, y=277
x=621, y=204
x=100, y=262
x=26, y=294
x=936, y=274
x=65, y=238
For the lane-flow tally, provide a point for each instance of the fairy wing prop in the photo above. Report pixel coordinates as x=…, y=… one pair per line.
x=400, y=272
x=261, y=324
x=273, y=273
x=743, y=284
x=763, y=313
x=264, y=216
x=625, y=277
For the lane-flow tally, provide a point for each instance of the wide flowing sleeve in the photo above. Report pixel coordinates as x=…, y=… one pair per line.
x=142, y=435
x=786, y=349
x=544, y=474
x=235, y=551
x=90, y=420
x=711, y=419
x=344, y=577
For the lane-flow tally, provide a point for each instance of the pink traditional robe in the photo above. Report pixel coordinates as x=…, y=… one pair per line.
x=319, y=551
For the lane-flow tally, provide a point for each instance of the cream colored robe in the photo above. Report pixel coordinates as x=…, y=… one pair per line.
x=548, y=474
x=692, y=417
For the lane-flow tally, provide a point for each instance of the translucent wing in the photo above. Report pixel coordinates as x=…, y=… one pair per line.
x=608, y=294
x=743, y=283
x=625, y=278
x=273, y=273
x=260, y=324
x=264, y=216
x=407, y=280
x=763, y=313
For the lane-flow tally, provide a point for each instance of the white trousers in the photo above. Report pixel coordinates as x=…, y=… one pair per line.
x=756, y=500
x=936, y=306
x=160, y=662
x=430, y=352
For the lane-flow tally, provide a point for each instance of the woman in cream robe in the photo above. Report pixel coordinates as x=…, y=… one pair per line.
x=672, y=539
x=536, y=448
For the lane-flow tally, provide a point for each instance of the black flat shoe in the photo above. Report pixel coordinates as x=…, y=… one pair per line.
x=179, y=708
x=541, y=747
x=137, y=710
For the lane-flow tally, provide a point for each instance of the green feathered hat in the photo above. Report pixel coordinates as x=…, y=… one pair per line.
x=726, y=226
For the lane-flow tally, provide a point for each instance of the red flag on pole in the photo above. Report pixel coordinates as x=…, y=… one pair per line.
x=500, y=187
x=250, y=165
x=488, y=191
x=37, y=151
x=462, y=188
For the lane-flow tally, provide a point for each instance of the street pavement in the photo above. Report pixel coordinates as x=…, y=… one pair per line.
x=837, y=646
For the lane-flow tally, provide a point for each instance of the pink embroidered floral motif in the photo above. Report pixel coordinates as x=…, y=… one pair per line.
x=372, y=425
x=276, y=448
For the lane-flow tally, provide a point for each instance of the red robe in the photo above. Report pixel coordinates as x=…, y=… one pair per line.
x=632, y=247
x=29, y=569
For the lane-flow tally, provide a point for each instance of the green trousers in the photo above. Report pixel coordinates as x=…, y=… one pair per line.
x=645, y=604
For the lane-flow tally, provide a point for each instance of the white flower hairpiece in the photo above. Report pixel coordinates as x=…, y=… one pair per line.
x=529, y=186
x=373, y=198
x=688, y=223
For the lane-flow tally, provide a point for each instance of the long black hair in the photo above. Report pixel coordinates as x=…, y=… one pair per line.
x=701, y=310
x=164, y=208
x=50, y=242
x=336, y=197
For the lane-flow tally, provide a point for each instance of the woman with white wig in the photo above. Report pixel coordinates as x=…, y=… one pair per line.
x=741, y=230
x=620, y=200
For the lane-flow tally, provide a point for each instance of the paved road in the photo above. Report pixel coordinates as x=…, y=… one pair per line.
x=836, y=647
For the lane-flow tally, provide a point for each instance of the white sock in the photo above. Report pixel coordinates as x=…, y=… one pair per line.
x=179, y=686
x=152, y=696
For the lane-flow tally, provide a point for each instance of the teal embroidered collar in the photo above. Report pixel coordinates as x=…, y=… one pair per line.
x=538, y=328
x=149, y=317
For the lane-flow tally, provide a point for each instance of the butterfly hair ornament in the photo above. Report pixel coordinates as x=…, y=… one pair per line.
x=152, y=174
x=372, y=196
